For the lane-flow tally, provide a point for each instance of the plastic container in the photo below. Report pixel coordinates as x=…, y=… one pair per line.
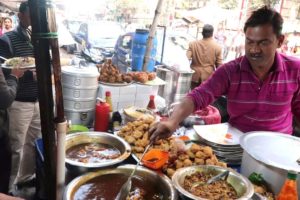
x=139, y=49
x=155, y=158
x=101, y=117
x=289, y=188
x=77, y=128
x=151, y=104
x=108, y=100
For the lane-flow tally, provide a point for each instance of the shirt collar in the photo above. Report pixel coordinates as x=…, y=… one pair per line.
x=278, y=64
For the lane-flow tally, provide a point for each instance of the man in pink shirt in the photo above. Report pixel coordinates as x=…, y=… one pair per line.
x=262, y=87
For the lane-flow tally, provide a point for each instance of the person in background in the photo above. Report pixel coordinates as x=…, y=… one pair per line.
x=1, y=25
x=14, y=19
x=262, y=87
x=25, y=127
x=205, y=56
x=8, y=89
x=8, y=26
x=238, y=43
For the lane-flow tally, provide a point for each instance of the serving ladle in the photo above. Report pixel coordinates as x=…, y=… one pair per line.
x=5, y=59
x=125, y=189
x=212, y=180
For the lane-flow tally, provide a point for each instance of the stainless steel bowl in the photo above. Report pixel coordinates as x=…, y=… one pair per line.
x=241, y=184
x=161, y=182
x=96, y=137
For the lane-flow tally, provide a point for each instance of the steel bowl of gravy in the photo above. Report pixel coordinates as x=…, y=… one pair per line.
x=106, y=183
x=88, y=151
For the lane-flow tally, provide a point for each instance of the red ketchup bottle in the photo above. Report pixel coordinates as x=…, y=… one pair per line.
x=151, y=104
x=101, y=116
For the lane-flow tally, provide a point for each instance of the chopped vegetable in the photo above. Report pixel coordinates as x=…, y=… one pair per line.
x=256, y=179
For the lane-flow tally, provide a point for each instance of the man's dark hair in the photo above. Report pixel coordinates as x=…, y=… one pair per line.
x=265, y=15
x=207, y=31
x=23, y=7
x=8, y=19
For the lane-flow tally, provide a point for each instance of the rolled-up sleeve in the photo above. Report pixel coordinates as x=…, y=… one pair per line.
x=216, y=86
x=296, y=102
x=8, y=90
x=189, y=52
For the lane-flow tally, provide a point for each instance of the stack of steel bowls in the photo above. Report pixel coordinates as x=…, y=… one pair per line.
x=80, y=86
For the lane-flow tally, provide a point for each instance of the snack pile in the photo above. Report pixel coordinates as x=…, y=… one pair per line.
x=111, y=74
x=180, y=154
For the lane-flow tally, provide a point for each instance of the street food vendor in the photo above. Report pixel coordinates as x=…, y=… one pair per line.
x=262, y=87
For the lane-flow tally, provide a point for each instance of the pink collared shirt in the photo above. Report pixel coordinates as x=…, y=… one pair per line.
x=255, y=105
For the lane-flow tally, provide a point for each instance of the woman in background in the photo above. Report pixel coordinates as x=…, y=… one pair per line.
x=1, y=27
x=7, y=25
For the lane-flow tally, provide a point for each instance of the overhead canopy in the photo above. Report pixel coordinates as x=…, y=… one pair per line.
x=209, y=14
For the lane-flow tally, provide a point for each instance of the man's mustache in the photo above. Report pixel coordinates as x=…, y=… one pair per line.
x=255, y=55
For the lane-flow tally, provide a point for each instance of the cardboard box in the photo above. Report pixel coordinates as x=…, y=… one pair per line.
x=122, y=105
x=143, y=89
x=141, y=104
x=115, y=92
x=154, y=90
x=129, y=89
x=126, y=98
x=142, y=97
x=115, y=106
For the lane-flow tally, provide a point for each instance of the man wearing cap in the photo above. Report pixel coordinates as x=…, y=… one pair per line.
x=205, y=56
x=24, y=126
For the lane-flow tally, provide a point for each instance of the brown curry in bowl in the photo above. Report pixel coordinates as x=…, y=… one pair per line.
x=92, y=153
x=107, y=186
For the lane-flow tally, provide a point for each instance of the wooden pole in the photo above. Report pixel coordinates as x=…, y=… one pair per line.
x=61, y=123
x=152, y=34
x=43, y=70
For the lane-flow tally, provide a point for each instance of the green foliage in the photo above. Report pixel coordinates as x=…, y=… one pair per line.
x=228, y=4
x=255, y=4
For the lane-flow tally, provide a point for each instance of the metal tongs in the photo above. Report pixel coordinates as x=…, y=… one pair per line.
x=125, y=189
x=213, y=179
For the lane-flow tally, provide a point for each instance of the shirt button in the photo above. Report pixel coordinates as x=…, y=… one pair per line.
x=259, y=88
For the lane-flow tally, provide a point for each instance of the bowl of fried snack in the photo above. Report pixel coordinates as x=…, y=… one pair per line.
x=191, y=182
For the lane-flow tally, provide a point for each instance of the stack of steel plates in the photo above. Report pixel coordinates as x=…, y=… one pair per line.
x=223, y=139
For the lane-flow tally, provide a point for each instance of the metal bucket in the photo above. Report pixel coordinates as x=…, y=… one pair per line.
x=178, y=83
x=80, y=86
x=82, y=77
x=79, y=104
x=272, y=155
x=79, y=93
x=85, y=117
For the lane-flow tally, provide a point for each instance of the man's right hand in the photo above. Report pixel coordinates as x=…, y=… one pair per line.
x=17, y=72
x=162, y=130
x=7, y=197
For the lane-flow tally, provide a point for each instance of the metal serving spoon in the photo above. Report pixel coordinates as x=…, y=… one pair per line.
x=3, y=58
x=212, y=180
x=125, y=189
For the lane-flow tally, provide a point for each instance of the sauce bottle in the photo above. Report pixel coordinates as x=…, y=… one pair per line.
x=116, y=120
x=289, y=188
x=108, y=100
x=151, y=104
x=101, y=116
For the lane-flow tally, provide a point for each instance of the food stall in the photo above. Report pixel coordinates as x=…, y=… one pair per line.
x=174, y=168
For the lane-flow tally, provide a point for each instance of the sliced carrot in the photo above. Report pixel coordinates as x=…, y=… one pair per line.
x=184, y=138
x=228, y=136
